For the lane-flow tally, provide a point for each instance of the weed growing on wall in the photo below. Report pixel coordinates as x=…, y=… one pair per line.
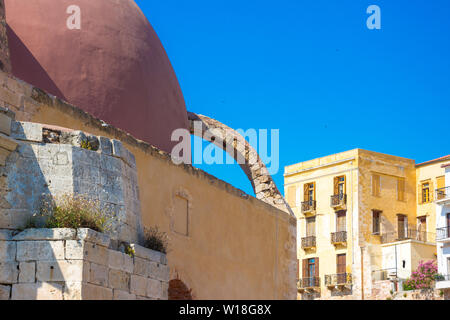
x=74, y=212
x=155, y=239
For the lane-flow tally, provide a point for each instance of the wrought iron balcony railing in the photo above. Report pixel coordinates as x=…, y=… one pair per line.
x=338, y=279
x=338, y=200
x=442, y=193
x=408, y=234
x=339, y=237
x=305, y=283
x=309, y=242
x=308, y=206
x=443, y=233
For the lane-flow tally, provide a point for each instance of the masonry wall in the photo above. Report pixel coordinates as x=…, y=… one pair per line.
x=47, y=164
x=78, y=264
x=224, y=244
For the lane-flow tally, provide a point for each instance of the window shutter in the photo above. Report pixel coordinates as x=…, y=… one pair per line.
x=305, y=268
x=401, y=189
x=314, y=188
x=345, y=184
x=317, y=267
x=305, y=192
x=298, y=268
x=336, y=185
x=431, y=191
x=440, y=182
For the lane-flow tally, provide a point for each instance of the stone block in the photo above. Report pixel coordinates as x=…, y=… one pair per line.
x=138, y=285
x=120, y=261
x=46, y=234
x=160, y=272
x=9, y=272
x=123, y=295
x=154, y=289
x=95, y=292
x=164, y=290
x=40, y=250
x=142, y=267
x=27, y=272
x=6, y=234
x=93, y=236
x=96, y=253
x=120, y=151
x=5, y=292
x=73, y=290
x=5, y=124
x=27, y=131
x=106, y=146
x=145, y=253
x=74, y=249
x=119, y=280
x=37, y=291
x=99, y=274
x=63, y=270
x=7, y=251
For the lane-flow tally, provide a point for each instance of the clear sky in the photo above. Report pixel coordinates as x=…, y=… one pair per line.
x=312, y=69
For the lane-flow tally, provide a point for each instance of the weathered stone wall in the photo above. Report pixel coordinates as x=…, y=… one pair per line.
x=78, y=264
x=5, y=62
x=51, y=162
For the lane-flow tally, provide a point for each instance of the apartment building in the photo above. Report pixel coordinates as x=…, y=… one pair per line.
x=361, y=219
x=442, y=200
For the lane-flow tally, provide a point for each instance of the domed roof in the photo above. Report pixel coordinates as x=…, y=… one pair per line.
x=114, y=67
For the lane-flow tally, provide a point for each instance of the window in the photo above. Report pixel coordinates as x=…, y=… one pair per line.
x=341, y=264
x=340, y=221
x=339, y=185
x=422, y=228
x=311, y=272
x=311, y=227
x=402, y=226
x=401, y=189
x=376, y=221
x=425, y=192
x=309, y=192
x=376, y=185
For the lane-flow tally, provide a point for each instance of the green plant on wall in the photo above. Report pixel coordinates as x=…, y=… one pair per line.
x=69, y=211
x=86, y=145
x=155, y=239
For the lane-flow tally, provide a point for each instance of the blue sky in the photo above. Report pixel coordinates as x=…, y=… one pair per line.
x=313, y=70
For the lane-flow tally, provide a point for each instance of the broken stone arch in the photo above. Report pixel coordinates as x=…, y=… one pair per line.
x=236, y=146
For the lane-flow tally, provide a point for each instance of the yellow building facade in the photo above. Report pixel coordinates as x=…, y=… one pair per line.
x=361, y=219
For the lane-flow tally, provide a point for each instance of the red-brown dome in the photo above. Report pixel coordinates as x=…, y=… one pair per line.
x=114, y=67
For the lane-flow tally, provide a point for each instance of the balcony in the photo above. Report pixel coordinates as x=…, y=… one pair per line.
x=338, y=280
x=409, y=234
x=339, y=237
x=308, y=283
x=309, y=242
x=443, y=281
x=338, y=201
x=443, y=234
x=442, y=194
x=308, y=207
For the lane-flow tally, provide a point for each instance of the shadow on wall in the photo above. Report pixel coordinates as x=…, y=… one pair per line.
x=26, y=67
